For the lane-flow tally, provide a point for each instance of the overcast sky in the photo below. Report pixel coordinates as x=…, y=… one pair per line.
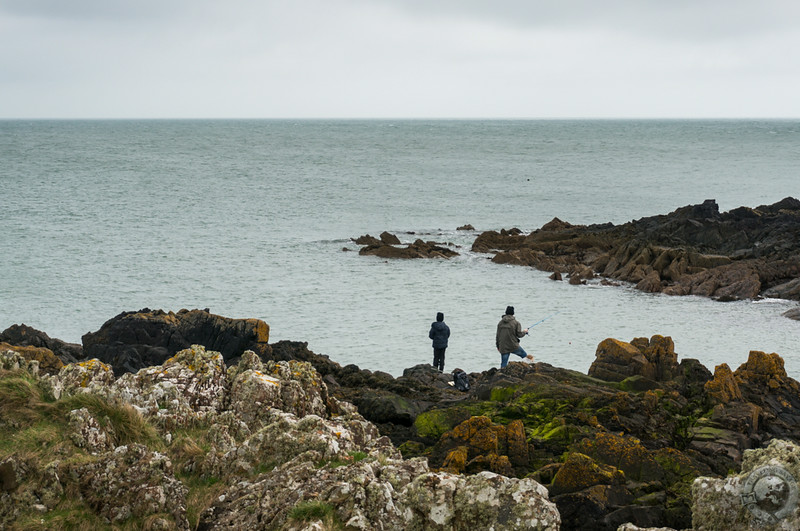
x=399, y=58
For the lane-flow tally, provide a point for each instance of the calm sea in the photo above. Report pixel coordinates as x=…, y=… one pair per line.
x=251, y=219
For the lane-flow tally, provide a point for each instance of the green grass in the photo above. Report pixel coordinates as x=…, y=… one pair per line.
x=34, y=428
x=315, y=511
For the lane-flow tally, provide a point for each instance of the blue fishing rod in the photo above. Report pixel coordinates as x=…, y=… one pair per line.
x=543, y=320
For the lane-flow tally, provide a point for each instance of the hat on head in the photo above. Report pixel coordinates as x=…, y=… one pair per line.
x=509, y=310
x=440, y=316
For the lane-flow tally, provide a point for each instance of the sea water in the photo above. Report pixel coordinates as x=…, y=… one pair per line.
x=255, y=219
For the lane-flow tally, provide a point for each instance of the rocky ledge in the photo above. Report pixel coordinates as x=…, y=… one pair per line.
x=289, y=439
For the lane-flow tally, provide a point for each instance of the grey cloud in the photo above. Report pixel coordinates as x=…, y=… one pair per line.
x=679, y=19
x=107, y=10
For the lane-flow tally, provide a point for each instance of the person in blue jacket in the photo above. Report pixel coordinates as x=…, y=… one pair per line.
x=439, y=334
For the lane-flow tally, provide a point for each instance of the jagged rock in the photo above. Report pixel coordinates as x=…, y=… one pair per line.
x=787, y=290
x=389, y=495
x=90, y=376
x=624, y=453
x=694, y=250
x=132, y=481
x=794, y=313
x=763, y=382
x=581, y=471
x=25, y=336
x=616, y=360
x=382, y=408
x=493, y=240
x=134, y=340
x=651, y=283
x=285, y=437
x=389, y=239
x=366, y=240
x=186, y=388
x=654, y=359
x=729, y=282
x=478, y=444
x=466, y=227
x=11, y=360
x=293, y=386
x=723, y=388
x=24, y=484
x=87, y=432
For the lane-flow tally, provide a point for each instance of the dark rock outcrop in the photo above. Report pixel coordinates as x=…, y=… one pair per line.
x=392, y=248
x=25, y=336
x=134, y=340
x=695, y=250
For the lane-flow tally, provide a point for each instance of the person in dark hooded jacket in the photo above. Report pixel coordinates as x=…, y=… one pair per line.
x=439, y=334
x=509, y=332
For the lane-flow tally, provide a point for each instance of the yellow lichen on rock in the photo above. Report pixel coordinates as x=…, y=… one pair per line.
x=723, y=387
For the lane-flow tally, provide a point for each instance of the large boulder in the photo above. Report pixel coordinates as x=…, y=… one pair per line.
x=653, y=359
x=479, y=444
x=617, y=360
x=134, y=340
x=763, y=382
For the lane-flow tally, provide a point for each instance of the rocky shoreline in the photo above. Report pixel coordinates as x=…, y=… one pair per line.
x=745, y=253
x=191, y=420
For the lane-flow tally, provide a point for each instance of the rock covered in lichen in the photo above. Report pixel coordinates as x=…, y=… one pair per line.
x=292, y=386
x=384, y=493
x=189, y=386
x=90, y=376
x=272, y=437
x=88, y=433
x=764, y=495
x=11, y=360
x=132, y=481
x=286, y=436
